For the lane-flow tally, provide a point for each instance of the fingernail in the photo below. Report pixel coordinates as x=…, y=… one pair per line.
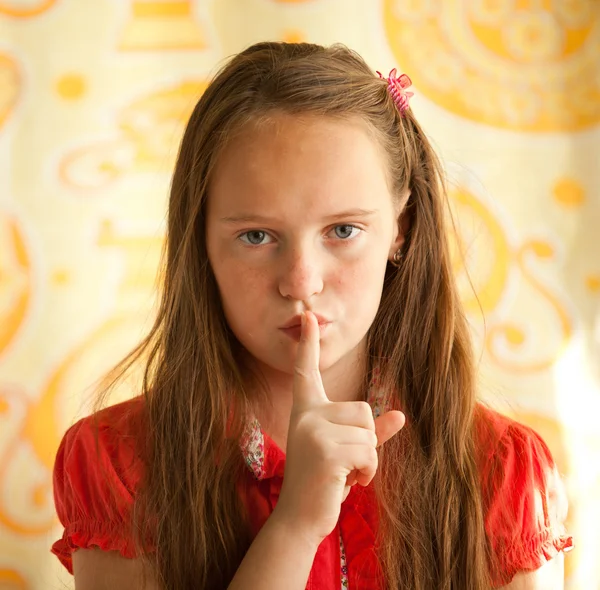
x=303, y=319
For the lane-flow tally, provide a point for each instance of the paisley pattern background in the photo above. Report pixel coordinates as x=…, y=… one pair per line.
x=93, y=100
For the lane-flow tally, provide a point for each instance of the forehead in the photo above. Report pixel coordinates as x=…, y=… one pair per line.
x=294, y=165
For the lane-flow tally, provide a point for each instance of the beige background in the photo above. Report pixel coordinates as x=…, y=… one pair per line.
x=93, y=99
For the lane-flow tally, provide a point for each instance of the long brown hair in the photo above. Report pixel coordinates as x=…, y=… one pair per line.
x=431, y=531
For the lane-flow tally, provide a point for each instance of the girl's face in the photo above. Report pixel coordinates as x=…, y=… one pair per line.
x=300, y=216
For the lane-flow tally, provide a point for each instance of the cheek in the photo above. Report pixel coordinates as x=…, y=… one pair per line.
x=359, y=287
x=241, y=289
x=362, y=277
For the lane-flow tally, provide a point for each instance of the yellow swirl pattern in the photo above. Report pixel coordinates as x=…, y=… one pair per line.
x=162, y=25
x=516, y=64
x=12, y=580
x=489, y=285
x=18, y=9
x=15, y=280
x=144, y=141
x=509, y=90
x=516, y=336
x=10, y=82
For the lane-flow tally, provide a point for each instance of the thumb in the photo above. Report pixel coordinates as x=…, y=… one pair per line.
x=388, y=424
x=308, y=386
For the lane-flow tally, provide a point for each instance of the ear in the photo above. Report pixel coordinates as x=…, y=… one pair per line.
x=402, y=225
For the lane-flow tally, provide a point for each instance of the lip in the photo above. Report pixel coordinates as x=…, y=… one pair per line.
x=294, y=332
x=296, y=321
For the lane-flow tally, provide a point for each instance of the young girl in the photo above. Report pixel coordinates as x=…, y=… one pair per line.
x=309, y=338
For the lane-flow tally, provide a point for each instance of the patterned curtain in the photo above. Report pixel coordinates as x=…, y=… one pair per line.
x=94, y=97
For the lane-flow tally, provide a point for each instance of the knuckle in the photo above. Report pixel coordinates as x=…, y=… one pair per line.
x=303, y=425
x=364, y=410
x=305, y=373
x=364, y=407
x=299, y=371
x=372, y=455
x=373, y=438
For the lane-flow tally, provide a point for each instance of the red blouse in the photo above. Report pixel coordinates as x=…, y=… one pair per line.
x=524, y=499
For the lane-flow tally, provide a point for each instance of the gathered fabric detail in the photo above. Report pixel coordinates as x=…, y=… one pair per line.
x=87, y=534
x=95, y=477
x=525, y=501
x=532, y=554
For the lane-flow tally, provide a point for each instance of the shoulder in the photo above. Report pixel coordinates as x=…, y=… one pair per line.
x=109, y=436
x=524, y=498
x=511, y=452
x=494, y=430
x=124, y=418
x=97, y=471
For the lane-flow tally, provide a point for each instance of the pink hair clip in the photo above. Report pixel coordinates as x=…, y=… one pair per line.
x=396, y=87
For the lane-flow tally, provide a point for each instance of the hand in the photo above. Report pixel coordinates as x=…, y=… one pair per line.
x=330, y=445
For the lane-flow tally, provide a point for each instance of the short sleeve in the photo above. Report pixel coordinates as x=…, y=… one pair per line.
x=525, y=504
x=96, y=472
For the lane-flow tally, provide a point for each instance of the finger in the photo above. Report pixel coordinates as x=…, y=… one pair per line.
x=358, y=413
x=346, y=492
x=308, y=386
x=388, y=424
x=350, y=435
x=348, y=486
x=361, y=459
x=351, y=478
x=355, y=477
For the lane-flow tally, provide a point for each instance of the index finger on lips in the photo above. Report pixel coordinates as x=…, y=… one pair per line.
x=308, y=386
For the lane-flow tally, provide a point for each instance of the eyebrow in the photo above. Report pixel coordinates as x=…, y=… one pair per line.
x=262, y=219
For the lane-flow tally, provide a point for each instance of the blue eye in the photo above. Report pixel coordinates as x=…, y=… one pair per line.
x=252, y=235
x=347, y=228
x=256, y=237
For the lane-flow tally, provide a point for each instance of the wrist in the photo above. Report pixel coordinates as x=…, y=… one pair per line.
x=289, y=526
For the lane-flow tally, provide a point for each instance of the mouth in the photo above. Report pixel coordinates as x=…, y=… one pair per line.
x=294, y=332
x=297, y=320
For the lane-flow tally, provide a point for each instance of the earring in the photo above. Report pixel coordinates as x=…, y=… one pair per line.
x=397, y=258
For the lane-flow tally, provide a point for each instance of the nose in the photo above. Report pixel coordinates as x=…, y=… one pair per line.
x=301, y=275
